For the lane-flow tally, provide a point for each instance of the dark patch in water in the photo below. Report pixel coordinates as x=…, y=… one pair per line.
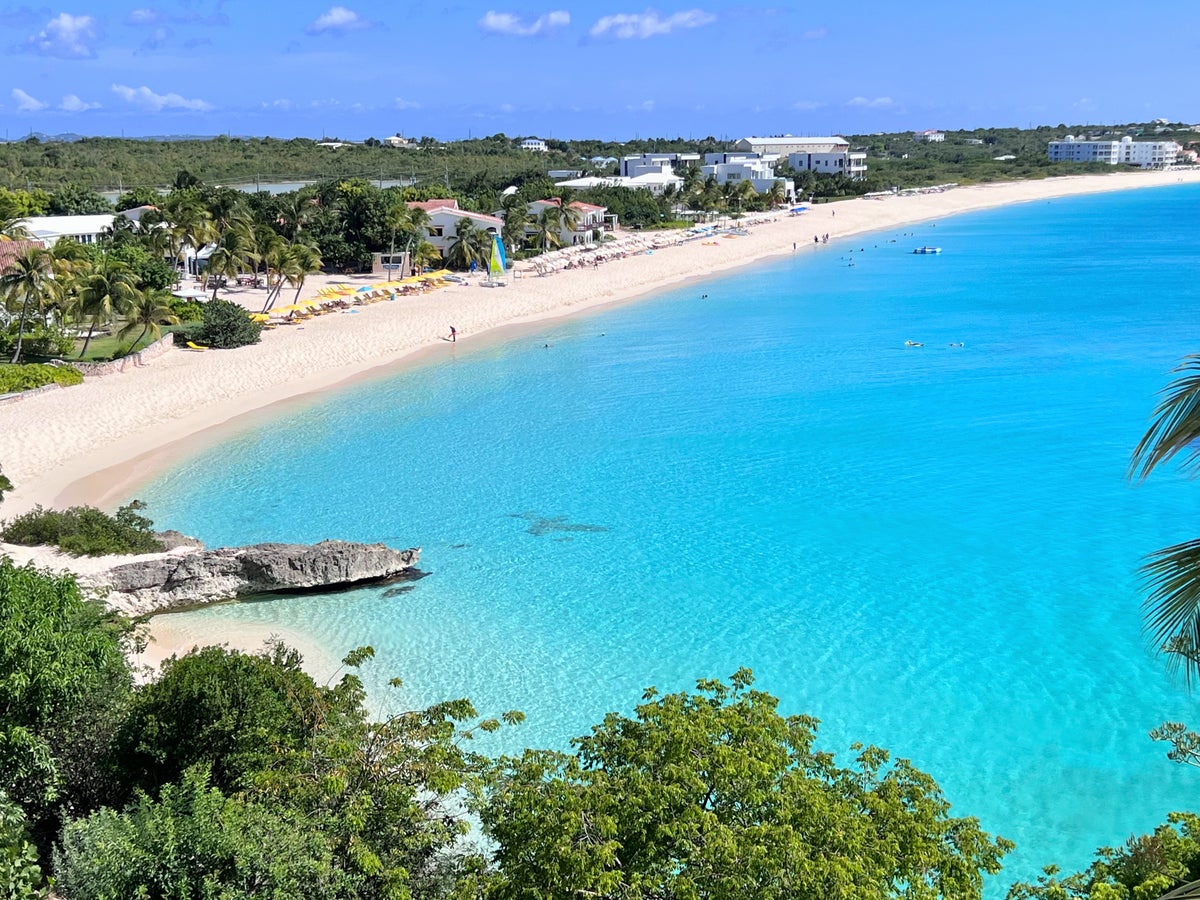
x=459, y=546
x=540, y=526
x=563, y=540
x=397, y=591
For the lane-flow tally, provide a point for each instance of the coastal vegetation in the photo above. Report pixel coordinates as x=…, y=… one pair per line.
x=14, y=379
x=84, y=530
x=236, y=775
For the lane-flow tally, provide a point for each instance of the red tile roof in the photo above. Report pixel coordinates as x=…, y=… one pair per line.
x=431, y=205
x=10, y=250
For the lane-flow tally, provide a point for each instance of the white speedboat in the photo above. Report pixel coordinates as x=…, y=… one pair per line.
x=924, y=251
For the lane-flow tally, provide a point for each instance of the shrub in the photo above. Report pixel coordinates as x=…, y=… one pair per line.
x=226, y=325
x=187, y=310
x=85, y=530
x=5, y=485
x=14, y=379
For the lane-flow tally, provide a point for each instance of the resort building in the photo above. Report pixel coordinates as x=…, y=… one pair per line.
x=534, y=144
x=656, y=163
x=655, y=182
x=396, y=141
x=930, y=137
x=832, y=158
x=784, y=144
x=590, y=219
x=81, y=229
x=751, y=167
x=1126, y=152
x=444, y=216
x=563, y=174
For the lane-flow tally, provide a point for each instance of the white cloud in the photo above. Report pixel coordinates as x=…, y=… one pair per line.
x=72, y=103
x=507, y=23
x=66, y=36
x=147, y=99
x=145, y=16
x=649, y=24
x=815, y=34
x=401, y=103
x=807, y=105
x=25, y=103
x=338, y=18
x=644, y=106
x=871, y=103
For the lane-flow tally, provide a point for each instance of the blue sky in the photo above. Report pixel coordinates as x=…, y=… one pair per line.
x=359, y=68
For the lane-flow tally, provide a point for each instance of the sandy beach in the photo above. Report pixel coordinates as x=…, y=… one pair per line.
x=96, y=442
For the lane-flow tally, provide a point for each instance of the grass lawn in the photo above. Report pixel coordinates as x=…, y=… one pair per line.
x=106, y=346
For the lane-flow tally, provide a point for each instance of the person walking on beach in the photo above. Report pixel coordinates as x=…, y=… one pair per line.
x=453, y=334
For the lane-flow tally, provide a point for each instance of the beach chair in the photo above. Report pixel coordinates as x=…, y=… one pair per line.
x=192, y=346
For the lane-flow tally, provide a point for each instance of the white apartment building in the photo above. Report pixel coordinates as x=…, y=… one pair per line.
x=932, y=137
x=1127, y=152
x=537, y=145
x=782, y=145
x=831, y=159
x=81, y=229
x=656, y=163
x=758, y=170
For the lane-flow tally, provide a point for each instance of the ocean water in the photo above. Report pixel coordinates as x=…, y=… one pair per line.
x=933, y=549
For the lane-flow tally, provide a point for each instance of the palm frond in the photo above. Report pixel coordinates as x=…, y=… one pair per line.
x=1171, y=610
x=1175, y=426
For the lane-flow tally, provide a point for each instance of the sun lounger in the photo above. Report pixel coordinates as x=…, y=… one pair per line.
x=191, y=346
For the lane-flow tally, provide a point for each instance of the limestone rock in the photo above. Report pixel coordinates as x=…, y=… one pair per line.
x=178, y=580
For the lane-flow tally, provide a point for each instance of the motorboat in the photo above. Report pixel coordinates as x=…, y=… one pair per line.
x=925, y=251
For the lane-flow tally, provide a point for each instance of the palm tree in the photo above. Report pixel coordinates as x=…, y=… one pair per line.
x=190, y=221
x=11, y=229
x=516, y=220
x=26, y=279
x=471, y=244
x=547, y=225
x=1171, y=610
x=148, y=311
x=106, y=290
x=303, y=259
x=425, y=254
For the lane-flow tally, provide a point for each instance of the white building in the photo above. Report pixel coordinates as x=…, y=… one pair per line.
x=751, y=167
x=444, y=216
x=654, y=182
x=782, y=145
x=590, y=219
x=656, y=163
x=931, y=137
x=1127, y=152
x=534, y=144
x=396, y=141
x=82, y=229
x=832, y=158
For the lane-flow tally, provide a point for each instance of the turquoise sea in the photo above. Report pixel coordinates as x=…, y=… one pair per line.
x=930, y=548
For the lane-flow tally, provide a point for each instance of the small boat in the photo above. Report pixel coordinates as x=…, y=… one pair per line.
x=924, y=251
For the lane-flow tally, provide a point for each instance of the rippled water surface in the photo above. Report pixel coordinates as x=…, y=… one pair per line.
x=930, y=548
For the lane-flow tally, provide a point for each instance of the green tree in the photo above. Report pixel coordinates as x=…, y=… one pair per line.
x=24, y=282
x=193, y=842
x=5, y=485
x=471, y=244
x=516, y=220
x=64, y=677
x=225, y=325
x=20, y=875
x=137, y=197
x=104, y=290
x=74, y=200
x=148, y=312
x=1144, y=868
x=714, y=794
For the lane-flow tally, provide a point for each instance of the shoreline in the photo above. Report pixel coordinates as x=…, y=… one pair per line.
x=95, y=443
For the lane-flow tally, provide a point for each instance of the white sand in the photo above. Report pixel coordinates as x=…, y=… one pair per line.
x=94, y=443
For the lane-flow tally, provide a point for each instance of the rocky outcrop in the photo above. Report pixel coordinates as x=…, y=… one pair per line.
x=182, y=579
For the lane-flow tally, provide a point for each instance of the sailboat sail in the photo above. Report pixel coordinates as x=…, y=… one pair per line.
x=497, y=265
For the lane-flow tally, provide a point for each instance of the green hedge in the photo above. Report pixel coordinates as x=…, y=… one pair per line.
x=14, y=379
x=84, y=531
